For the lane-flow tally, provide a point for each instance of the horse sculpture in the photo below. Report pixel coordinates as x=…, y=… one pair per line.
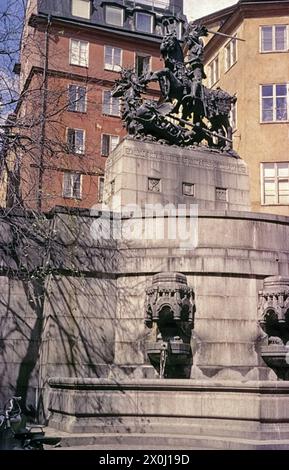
x=205, y=111
x=148, y=118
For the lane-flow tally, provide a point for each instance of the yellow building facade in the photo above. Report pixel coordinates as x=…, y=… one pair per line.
x=256, y=70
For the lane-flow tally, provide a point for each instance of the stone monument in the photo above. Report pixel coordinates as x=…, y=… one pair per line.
x=195, y=321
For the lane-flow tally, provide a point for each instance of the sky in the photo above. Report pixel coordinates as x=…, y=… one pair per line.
x=196, y=8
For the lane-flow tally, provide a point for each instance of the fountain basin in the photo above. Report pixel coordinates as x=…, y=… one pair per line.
x=174, y=409
x=277, y=358
x=178, y=353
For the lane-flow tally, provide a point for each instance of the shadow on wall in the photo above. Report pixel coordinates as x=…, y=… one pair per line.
x=58, y=297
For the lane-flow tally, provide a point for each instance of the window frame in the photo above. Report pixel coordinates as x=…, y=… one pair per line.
x=276, y=181
x=77, y=16
x=274, y=121
x=144, y=14
x=113, y=67
x=110, y=138
x=70, y=53
x=77, y=100
x=114, y=8
x=100, y=194
x=234, y=107
x=215, y=60
x=229, y=44
x=273, y=26
x=71, y=173
x=143, y=55
x=110, y=114
x=84, y=140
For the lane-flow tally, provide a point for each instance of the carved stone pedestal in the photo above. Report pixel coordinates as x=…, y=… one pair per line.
x=149, y=173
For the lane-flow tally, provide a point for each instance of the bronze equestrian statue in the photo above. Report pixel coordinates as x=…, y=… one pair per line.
x=204, y=112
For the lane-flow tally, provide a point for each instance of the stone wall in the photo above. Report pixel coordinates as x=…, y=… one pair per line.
x=22, y=253
x=57, y=303
x=72, y=304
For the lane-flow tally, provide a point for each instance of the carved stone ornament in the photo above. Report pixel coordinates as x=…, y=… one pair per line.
x=273, y=312
x=170, y=307
x=169, y=298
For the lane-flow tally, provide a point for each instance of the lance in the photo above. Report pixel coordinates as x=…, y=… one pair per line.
x=226, y=35
x=206, y=131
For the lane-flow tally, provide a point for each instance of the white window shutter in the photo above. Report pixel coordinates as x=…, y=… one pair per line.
x=67, y=185
x=83, y=57
x=74, y=52
x=108, y=57
x=114, y=142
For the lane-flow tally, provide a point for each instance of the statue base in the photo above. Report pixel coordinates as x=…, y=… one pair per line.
x=144, y=173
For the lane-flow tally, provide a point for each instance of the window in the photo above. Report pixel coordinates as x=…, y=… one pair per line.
x=170, y=25
x=230, y=54
x=274, y=103
x=233, y=116
x=274, y=38
x=114, y=15
x=156, y=3
x=144, y=22
x=110, y=104
x=72, y=185
x=100, y=188
x=75, y=141
x=81, y=8
x=142, y=64
x=79, y=53
x=214, y=71
x=275, y=183
x=77, y=98
x=179, y=29
x=108, y=143
x=112, y=58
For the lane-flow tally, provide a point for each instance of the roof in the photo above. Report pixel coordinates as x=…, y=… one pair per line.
x=228, y=19
x=222, y=15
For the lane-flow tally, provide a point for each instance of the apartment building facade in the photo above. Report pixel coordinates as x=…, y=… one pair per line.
x=256, y=70
x=71, y=54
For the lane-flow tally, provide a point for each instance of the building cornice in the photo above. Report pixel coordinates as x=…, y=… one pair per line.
x=259, y=6
x=41, y=19
x=233, y=18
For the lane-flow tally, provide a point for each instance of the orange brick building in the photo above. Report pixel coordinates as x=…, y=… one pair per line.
x=71, y=54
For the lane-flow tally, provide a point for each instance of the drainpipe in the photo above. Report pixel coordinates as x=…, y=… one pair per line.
x=43, y=120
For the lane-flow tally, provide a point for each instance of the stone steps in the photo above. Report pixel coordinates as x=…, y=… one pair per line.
x=110, y=441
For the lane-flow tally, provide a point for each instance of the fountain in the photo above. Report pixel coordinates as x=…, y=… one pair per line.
x=274, y=320
x=227, y=398
x=170, y=306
